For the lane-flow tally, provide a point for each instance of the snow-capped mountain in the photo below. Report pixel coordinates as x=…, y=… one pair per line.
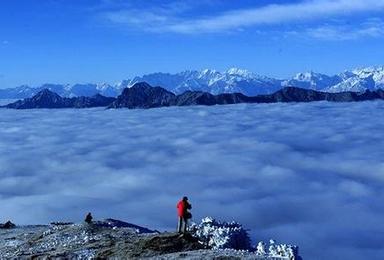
x=23, y=91
x=359, y=80
x=216, y=82
x=212, y=81
x=312, y=80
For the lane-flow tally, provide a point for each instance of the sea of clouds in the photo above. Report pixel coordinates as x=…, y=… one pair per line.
x=306, y=174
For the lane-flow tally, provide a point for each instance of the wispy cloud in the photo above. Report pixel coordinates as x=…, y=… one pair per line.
x=155, y=18
x=157, y=21
x=146, y=18
x=369, y=29
x=5, y=42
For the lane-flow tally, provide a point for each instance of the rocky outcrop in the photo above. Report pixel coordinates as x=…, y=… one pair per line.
x=154, y=246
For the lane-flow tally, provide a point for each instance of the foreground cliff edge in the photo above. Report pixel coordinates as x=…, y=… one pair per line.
x=142, y=95
x=120, y=240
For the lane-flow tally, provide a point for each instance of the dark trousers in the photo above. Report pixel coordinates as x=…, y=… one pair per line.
x=182, y=225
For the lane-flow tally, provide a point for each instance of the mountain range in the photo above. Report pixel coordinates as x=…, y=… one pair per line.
x=48, y=99
x=143, y=95
x=211, y=81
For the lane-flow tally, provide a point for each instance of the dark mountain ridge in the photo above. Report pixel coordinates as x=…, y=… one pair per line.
x=49, y=99
x=143, y=95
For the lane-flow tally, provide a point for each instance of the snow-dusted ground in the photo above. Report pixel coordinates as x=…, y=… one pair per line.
x=120, y=240
x=305, y=174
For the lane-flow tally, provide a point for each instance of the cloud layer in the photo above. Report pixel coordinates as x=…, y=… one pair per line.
x=307, y=174
x=170, y=19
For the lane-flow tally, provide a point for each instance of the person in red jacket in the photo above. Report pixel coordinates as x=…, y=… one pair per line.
x=182, y=212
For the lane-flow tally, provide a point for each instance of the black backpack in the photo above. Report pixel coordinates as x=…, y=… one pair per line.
x=188, y=215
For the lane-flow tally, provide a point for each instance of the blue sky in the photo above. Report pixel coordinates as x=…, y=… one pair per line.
x=68, y=41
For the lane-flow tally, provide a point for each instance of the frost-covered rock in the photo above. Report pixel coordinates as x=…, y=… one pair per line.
x=220, y=235
x=277, y=250
x=282, y=250
x=260, y=248
x=232, y=236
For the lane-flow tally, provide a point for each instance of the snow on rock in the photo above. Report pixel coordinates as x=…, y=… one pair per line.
x=220, y=235
x=233, y=236
x=277, y=250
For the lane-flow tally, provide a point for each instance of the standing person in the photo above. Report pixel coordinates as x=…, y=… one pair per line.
x=182, y=211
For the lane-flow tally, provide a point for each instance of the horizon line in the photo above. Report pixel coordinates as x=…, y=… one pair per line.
x=194, y=70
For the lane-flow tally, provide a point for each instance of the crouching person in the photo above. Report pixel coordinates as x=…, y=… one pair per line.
x=88, y=218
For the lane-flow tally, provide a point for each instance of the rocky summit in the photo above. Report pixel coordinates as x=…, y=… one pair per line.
x=114, y=239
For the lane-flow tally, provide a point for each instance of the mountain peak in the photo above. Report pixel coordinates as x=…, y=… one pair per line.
x=239, y=72
x=307, y=76
x=376, y=72
x=143, y=95
x=46, y=93
x=141, y=85
x=369, y=69
x=208, y=71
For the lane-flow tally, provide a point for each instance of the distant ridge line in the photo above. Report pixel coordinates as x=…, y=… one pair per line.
x=143, y=95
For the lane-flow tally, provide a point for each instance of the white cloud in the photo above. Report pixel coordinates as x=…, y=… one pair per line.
x=239, y=19
x=130, y=17
x=368, y=29
x=276, y=168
